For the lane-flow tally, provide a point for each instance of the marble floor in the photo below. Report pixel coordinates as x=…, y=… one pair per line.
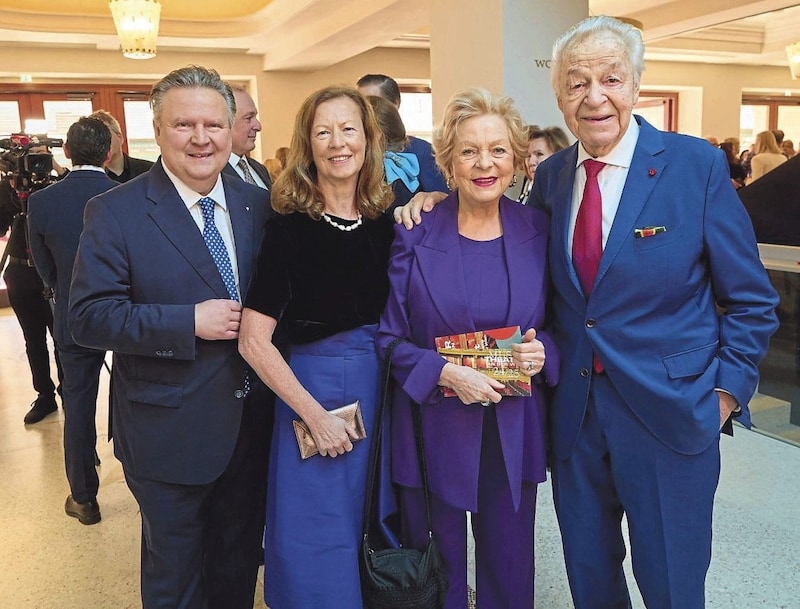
x=50, y=561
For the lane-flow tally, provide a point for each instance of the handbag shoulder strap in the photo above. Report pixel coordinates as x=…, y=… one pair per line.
x=371, y=494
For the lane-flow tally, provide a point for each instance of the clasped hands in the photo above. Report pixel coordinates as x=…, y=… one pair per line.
x=472, y=386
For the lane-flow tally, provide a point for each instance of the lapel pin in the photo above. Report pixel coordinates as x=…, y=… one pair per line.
x=652, y=172
x=247, y=208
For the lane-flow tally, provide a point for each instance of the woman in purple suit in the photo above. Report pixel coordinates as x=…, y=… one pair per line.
x=476, y=262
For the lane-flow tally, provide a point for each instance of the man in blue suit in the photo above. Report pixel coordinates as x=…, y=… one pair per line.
x=55, y=222
x=650, y=369
x=161, y=268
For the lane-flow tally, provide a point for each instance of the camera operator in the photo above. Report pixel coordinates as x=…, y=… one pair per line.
x=26, y=291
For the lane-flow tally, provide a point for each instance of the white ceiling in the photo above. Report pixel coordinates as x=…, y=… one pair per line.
x=313, y=34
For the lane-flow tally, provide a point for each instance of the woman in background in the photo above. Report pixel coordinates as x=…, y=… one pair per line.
x=402, y=168
x=476, y=262
x=734, y=166
x=542, y=143
x=274, y=168
x=321, y=274
x=766, y=155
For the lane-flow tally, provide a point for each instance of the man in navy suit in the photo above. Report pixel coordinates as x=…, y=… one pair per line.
x=120, y=167
x=147, y=286
x=55, y=222
x=244, y=132
x=650, y=370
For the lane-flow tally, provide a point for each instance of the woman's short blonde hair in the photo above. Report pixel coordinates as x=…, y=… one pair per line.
x=469, y=104
x=296, y=188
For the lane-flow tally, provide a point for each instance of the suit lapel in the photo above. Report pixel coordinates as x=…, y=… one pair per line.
x=562, y=196
x=647, y=166
x=170, y=214
x=261, y=171
x=523, y=284
x=441, y=267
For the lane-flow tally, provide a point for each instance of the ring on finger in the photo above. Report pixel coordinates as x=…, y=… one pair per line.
x=530, y=366
x=486, y=403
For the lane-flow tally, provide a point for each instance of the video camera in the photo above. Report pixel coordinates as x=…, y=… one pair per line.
x=27, y=171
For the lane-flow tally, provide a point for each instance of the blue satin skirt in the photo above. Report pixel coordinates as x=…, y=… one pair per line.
x=315, y=507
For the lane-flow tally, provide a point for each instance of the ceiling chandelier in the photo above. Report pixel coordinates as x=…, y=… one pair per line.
x=137, y=26
x=793, y=55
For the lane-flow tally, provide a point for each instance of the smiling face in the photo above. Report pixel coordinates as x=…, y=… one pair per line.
x=245, y=124
x=483, y=163
x=194, y=136
x=338, y=142
x=538, y=151
x=597, y=92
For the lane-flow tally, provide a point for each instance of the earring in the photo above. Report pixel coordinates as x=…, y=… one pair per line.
x=513, y=181
x=449, y=183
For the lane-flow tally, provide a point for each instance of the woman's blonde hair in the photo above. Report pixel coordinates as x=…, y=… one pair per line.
x=296, y=188
x=766, y=142
x=469, y=104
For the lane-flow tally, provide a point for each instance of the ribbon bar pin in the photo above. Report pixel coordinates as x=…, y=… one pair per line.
x=648, y=231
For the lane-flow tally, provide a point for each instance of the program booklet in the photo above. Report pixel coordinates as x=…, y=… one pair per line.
x=488, y=351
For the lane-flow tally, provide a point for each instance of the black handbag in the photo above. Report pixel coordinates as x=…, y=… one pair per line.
x=398, y=578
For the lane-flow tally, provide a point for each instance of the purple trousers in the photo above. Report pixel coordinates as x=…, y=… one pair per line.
x=504, y=563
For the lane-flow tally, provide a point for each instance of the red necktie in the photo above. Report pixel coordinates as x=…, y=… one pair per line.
x=587, y=240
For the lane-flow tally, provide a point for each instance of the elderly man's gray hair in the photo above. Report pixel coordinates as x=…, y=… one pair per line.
x=628, y=35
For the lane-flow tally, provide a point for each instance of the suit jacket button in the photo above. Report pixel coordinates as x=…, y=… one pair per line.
x=584, y=372
x=238, y=394
x=591, y=322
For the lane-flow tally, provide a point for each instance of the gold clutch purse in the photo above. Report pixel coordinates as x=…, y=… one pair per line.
x=305, y=441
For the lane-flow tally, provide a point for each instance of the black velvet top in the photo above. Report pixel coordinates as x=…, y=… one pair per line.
x=317, y=280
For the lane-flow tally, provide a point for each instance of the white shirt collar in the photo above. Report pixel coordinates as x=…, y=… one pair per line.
x=191, y=197
x=622, y=154
x=88, y=168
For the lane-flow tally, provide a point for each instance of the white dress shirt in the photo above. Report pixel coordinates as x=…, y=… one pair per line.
x=234, y=162
x=611, y=179
x=221, y=216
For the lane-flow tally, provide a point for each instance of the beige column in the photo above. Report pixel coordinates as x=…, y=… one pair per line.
x=502, y=45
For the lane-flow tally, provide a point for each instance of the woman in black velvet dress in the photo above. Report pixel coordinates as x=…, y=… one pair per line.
x=321, y=276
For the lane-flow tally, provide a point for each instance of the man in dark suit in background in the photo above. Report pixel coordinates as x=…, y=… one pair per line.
x=120, y=167
x=161, y=268
x=244, y=132
x=55, y=222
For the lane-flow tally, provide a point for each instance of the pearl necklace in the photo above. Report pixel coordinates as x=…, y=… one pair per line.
x=342, y=227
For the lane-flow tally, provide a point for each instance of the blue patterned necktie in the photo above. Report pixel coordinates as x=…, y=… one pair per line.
x=216, y=246
x=218, y=251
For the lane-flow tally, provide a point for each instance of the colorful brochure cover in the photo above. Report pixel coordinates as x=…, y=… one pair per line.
x=488, y=351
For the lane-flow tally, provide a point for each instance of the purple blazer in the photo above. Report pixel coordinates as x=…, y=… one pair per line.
x=428, y=298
